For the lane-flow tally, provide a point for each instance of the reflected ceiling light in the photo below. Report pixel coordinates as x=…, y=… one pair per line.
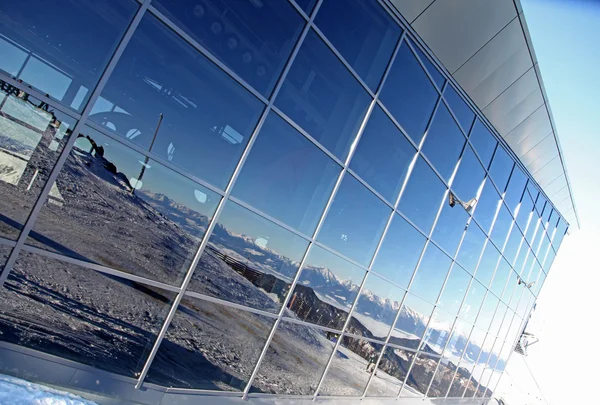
x=232, y=43
x=132, y=133
x=199, y=11
x=135, y=183
x=262, y=242
x=216, y=27
x=200, y=196
x=170, y=151
x=247, y=57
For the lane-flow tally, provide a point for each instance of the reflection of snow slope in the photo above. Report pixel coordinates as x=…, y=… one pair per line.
x=11, y=168
x=25, y=112
x=377, y=328
x=14, y=391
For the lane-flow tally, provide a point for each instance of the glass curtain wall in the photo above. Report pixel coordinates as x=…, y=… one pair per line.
x=257, y=197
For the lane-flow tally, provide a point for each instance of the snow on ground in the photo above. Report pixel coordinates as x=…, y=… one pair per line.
x=14, y=391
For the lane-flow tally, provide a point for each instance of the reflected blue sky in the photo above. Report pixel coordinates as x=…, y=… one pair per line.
x=461, y=110
x=483, y=142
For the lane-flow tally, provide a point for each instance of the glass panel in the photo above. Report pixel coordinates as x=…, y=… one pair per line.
x=355, y=221
x=45, y=48
x=254, y=39
x=411, y=323
x=540, y=203
x=510, y=287
x=420, y=374
x=383, y=156
x=442, y=379
x=516, y=296
x=364, y=34
x=408, y=94
x=459, y=107
x=108, y=196
x=326, y=289
x=351, y=367
x=469, y=177
x=455, y=289
x=475, y=345
x=515, y=189
x=487, y=312
x=31, y=139
x=438, y=333
x=506, y=350
x=443, y=143
x=561, y=230
x=435, y=74
x=450, y=227
x=525, y=212
x=512, y=245
x=431, y=273
x=458, y=340
x=503, y=272
x=502, y=226
x=399, y=252
x=81, y=315
x=249, y=260
x=166, y=97
x=321, y=95
x=498, y=320
x=391, y=372
x=485, y=378
x=487, y=264
x=549, y=260
x=471, y=248
x=376, y=308
x=276, y=179
x=295, y=360
x=501, y=167
x=306, y=5
x=486, y=350
x=421, y=199
x=472, y=302
x=483, y=141
x=461, y=380
x=197, y=353
x=486, y=207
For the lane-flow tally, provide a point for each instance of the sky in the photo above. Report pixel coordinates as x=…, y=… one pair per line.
x=564, y=363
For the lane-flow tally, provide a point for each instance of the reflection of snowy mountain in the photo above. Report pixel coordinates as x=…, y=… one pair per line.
x=174, y=211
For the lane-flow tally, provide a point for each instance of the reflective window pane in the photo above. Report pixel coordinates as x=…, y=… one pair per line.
x=501, y=227
x=472, y=302
x=512, y=245
x=455, y=289
x=197, y=354
x=32, y=136
x=408, y=94
x=450, y=227
x=306, y=5
x=45, y=48
x=459, y=107
x=501, y=167
x=355, y=221
x=326, y=289
x=469, y=177
x=167, y=98
x=444, y=142
x=471, y=248
x=276, y=179
x=561, y=230
x=399, y=252
x=442, y=379
x=503, y=272
x=461, y=380
x=295, y=360
x=254, y=39
x=487, y=264
x=438, y=333
x=411, y=323
x=458, y=340
x=515, y=189
x=549, y=260
x=421, y=374
x=510, y=287
x=391, y=372
x=383, y=156
x=486, y=207
x=376, y=308
x=483, y=141
x=363, y=32
x=498, y=320
x=108, y=196
x=249, y=260
x=525, y=212
x=75, y=313
x=323, y=97
x=421, y=199
x=431, y=274
x=435, y=74
x=351, y=367
x=475, y=345
x=487, y=312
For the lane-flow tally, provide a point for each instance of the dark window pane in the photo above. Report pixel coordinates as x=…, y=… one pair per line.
x=326, y=289
x=540, y=203
x=549, y=260
x=484, y=142
x=391, y=372
x=435, y=74
x=306, y=5
x=503, y=272
x=376, y=308
x=210, y=347
x=277, y=180
x=515, y=189
x=383, y=156
x=487, y=264
x=295, y=360
x=421, y=199
x=254, y=39
x=207, y=118
x=116, y=208
x=501, y=227
x=31, y=139
x=444, y=142
x=411, y=323
x=355, y=221
x=249, y=260
x=430, y=274
x=469, y=176
x=420, y=375
x=459, y=107
x=363, y=32
x=472, y=302
x=488, y=204
x=351, y=367
x=455, y=289
x=501, y=167
x=323, y=97
x=75, y=313
x=43, y=46
x=399, y=252
x=408, y=94
x=450, y=227
x=471, y=248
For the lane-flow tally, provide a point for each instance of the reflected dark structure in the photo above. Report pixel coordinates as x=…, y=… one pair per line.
x=261, y=199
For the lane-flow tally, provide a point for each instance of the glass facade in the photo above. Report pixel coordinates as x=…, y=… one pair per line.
x=339, y=223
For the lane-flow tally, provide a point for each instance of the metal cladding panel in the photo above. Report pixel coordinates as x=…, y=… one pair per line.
x=540, y=155
x=555, y=185
x=495, y=66
x=530, y=131
x=456, y=29
x=411, y=9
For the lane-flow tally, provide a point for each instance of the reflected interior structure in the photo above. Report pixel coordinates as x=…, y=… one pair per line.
x=255, y=199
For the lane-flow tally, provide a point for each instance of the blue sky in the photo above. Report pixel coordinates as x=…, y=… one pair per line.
x=565, y=36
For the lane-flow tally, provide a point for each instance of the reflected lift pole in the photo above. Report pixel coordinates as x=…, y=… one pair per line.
x=146, y=159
